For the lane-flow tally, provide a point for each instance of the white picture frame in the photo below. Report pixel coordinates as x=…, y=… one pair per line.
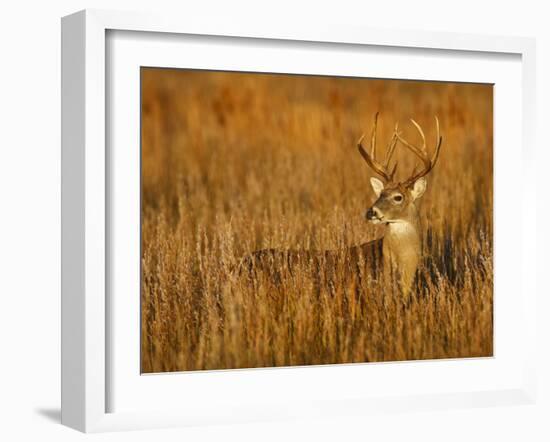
x=87, y=316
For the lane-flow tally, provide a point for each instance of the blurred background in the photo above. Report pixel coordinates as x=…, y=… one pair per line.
x=272, y=149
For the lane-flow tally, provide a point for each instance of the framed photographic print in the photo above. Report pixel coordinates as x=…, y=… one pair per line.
x=262, y=223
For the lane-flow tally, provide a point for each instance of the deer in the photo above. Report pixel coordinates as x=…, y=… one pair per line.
x=397, y=254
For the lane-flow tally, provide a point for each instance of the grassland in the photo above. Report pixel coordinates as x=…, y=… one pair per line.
x=233, y=163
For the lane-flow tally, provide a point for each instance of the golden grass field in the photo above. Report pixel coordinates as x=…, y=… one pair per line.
x=236, y=162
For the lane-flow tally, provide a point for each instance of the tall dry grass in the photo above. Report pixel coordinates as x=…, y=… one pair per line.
x=233, y=163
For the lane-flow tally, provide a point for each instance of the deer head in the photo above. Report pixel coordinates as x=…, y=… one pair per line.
x=396, y=200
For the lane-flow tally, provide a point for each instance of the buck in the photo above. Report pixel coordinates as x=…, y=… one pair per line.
x=395, y=256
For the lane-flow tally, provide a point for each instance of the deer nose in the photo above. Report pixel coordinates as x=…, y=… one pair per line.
x=373, y=213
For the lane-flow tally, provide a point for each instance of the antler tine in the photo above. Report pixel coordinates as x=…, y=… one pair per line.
x=422, y=153
x=371, y=159
x=393, y=171
x=372, y=163
x=419, y=153
x=391, y=146
x=373, y=137
x=439, y=140
x=421, y=132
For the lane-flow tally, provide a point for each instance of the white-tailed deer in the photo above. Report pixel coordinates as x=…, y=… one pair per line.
x=397, y=254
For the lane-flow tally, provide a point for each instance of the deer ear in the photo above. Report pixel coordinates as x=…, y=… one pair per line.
x=377, y=186
x=419, y=187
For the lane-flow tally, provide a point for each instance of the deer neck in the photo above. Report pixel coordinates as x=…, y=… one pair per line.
x=402, y=248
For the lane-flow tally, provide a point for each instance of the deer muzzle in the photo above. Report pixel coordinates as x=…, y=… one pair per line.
x=374, y=215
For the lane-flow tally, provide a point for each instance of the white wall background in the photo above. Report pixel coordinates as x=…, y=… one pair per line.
x=30, y=215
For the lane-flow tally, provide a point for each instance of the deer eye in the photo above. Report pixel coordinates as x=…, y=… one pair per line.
x=398, y=198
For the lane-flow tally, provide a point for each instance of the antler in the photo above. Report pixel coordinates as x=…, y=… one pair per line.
x=380, y=169
x=421, y=152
